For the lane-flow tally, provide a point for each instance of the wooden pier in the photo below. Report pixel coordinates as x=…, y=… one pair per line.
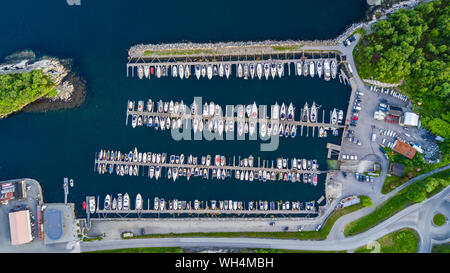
x=206, y=211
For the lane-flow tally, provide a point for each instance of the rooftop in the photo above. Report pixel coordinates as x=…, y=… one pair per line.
x=404, y=149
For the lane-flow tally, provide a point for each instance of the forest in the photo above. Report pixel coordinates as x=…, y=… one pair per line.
x=411, y=47
x=20, y=89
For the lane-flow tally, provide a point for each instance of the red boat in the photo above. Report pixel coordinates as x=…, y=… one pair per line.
x=151, y=70
x=84, y=205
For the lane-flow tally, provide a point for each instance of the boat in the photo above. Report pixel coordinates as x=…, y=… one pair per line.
x=227, y=70
x=326, y=68
x=266, y=71
x=273, y=70
x=259, y=70
x=299, y=68
x=283, y=111
x=197, y=71
x=140, y=72
x=187, y=71
x=209, y=71
x=280, y=68
x=239, y=70
x=311, y=69
x=156, y=204
x=319, y=69
x=293, y=131
x=313, y=114
x=158, y=72
x=203, y=70
x=92, y=205
x=340, y=116
x=114, y=204
x=126, y=202
x=334, y=117
x=221, y=70
x=71, y=182
x=315, y=179
x=252, y=70
x=174, y=71
x=290, y=115
x=107, y=203
x=333, y=69
x=134, y=121
x=138, y=202
x=245, y=71
x=305, y=68
x=181, y=71
x=304, y=164
x=147, y=71
x=196, y=204
x=275, y=112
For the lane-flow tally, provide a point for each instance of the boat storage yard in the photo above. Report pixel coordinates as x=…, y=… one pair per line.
x=209, y=117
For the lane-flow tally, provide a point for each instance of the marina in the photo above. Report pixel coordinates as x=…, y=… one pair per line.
x=248, y=67
x=218, y=167
x=162, y=206
x=242, y=119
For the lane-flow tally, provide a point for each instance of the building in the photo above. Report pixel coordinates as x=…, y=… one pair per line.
x=395, y=111
x=397, y=169
x=59, y=223
x=20, y=227
x=349, y=201
x=404, y=149
x=410, y=119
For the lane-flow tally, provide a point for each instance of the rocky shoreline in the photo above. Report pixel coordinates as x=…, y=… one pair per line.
x=70, y=87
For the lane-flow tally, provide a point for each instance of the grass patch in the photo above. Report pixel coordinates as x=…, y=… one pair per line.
x=361, y=31
x=402, y=241
x=179, y=52
x=439, y=219
x=270, y=250
x=141, y=250
x=286, y=48
x=443, y=248
x=52, y=93
x=304, y=235
x=414, y=193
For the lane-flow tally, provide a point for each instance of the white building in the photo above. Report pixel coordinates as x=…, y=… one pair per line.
x=410, y=119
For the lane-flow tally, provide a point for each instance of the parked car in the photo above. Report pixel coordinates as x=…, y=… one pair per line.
x=318, y=227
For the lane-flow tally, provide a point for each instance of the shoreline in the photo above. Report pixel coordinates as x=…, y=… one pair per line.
x=69, y=86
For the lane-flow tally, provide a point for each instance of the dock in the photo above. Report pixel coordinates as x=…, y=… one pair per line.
x=333, y=149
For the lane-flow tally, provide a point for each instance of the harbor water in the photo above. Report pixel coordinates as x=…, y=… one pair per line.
x=52, y=145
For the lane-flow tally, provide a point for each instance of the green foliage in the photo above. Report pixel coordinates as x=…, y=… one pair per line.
x=443, y=248
x=412, y=45
x=365, y=201
x=142, y=250
x=414, y=193
x=20, y=89
x=439, y=219
x=401, y=241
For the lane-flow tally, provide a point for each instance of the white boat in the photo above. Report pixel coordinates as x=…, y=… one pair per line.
x=92, y=205
x=138, y=202
x=227, y=70
x=311, y=69
x=156, y=204
x=319, y=69
x=140, y=72
x=340, y=116
x=254, y=113
x=147, y=71
x=209, y=70
x=263, y=129
x=326, y=68
x=305, y=68
x=259, y=70
x=299, y=68
x=187, y=71
x=114, y=204
x=245, y=71
x=290, y=115
x=174, y=71
x=334, y=117
x=239, y=70
x=126, y=201
x=107, y=202
x=273, y=70
x=266, y=71
x=275, y=115
x=283, y=111
x=313, y=117
x=203, y=70
x=280, y=68
x=305, y=113
x=252, y=70
x=197, y=71
x=158, y=71
x=333, y=69
x=195, y=124
x=221, y=70
x=71, y=182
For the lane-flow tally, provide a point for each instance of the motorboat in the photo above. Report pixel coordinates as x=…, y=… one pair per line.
x=259, y=70
x=298, y=66
x=273, y=70
x=311, y=68
x=333, y=69
x=197, y=71
x=319, y=68
x=107, y=203
x=283, y=111
x=290, y=115
x=313, y=114
x=138, y=202
x=334, y=117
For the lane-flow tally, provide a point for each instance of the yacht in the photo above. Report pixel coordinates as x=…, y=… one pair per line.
x=245, y=71
x=239, y=70
x=138, y=202
x=156, y=204
x=315, y=179
x=305, y=68
x=227, y=70
x=290, y=115
x=311, y=68
x=119, y=201
x=107, y=202
x=151, y=172
x=305, y=113
x=280, y=69
x=334, y=117
x=147, y=71
x=299, y=68
x=333, y=69
x=126, y=201
x=114, y=204
x=197, y=71
x=209, y=71
x=283, y=111
x=326, y=68
x=293, y=131
x=252, y=70
x=263, y=129
x=259, y=70
x=140, y=72
x=319, y=69
x=92, y=205
x=174, y=71
x=158, y=72
x=273, y=70
x=313, y=113
x=221, y=70
x=340, y=116
x=266, y=71
x=203, y=71
x=187, y=71
x=275, y=115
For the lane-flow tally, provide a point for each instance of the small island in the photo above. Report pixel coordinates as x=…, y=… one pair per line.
x=30, y=83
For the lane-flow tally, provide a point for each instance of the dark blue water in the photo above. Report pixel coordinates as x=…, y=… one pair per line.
x=48, y=146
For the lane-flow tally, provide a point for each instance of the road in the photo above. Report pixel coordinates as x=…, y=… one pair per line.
x=417, y=217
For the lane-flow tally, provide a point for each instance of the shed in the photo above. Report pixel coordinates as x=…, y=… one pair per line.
x=410, y=119
x=397, y=169
x=20, y=227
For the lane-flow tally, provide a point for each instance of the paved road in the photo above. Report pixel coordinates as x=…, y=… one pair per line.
x=411, y=217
